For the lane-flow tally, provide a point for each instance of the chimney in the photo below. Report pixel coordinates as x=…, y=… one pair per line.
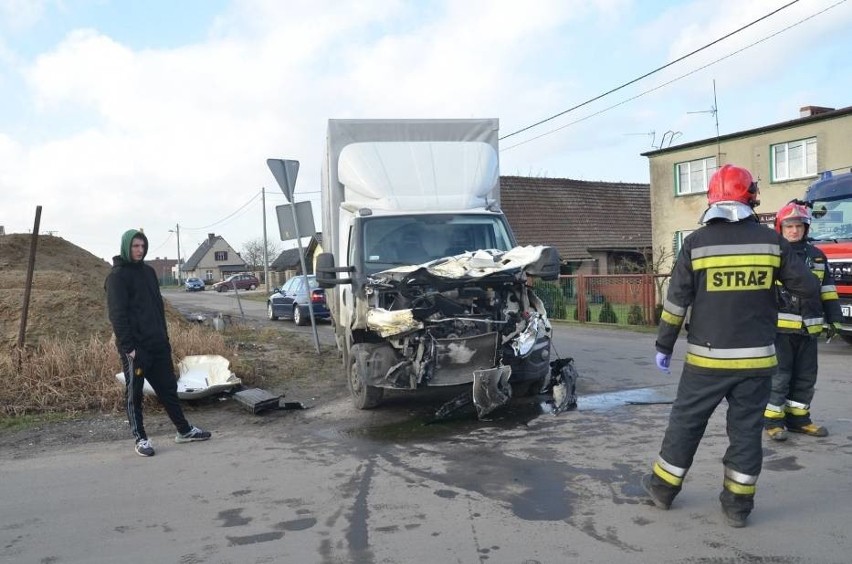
x=211, y=237
x=808, y=111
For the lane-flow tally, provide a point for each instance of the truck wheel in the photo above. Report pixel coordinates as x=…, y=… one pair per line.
x=363, y=396
x=269, y=313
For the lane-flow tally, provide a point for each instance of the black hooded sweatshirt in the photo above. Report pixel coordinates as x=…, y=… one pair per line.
x=134, y=301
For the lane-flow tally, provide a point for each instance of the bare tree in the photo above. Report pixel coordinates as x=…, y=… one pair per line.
x=253, y=253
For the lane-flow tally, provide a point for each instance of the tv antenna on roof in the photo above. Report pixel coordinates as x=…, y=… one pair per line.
x=652, y=134
x=714, y=111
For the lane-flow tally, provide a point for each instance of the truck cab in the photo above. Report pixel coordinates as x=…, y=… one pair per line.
x=427, y=285
x=830, y=199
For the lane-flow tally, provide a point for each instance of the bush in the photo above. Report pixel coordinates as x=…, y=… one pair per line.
x=635, y=316
x=588, y=315
x=607, y=314
x=551, y=296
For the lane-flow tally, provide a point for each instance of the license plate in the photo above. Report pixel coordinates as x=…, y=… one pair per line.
x=847, y=310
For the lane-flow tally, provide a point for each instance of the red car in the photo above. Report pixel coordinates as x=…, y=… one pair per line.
x=240, y=281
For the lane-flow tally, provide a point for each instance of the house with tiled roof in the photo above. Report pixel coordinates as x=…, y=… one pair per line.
x=213, y=260
x=287, y=264
x=597, y=227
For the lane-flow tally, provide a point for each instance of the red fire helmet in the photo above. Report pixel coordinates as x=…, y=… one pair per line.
x=733, y=184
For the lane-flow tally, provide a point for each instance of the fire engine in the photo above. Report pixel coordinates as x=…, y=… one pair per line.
x=830, y=199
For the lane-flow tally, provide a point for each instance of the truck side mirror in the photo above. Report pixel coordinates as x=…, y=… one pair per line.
x=327, y=272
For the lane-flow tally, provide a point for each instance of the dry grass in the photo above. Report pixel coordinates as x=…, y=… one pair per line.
x=61, y=375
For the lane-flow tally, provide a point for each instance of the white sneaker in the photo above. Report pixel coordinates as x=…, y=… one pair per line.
x=194, y=434
x=144, y=448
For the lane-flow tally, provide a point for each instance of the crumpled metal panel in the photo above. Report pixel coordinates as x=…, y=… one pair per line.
x=491, y=389
x=456, y=359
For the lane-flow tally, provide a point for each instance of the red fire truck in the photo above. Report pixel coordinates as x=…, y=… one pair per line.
x=830, y=198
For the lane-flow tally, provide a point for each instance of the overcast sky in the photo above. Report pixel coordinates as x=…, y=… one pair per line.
x=119, y=114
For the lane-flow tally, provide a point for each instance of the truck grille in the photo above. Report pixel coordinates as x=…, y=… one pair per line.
x=842, y=271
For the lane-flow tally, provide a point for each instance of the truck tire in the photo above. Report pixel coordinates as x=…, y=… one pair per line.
x=363, y=396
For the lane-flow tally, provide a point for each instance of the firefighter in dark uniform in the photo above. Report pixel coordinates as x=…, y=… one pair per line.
x=796, y=342
x=725, y=274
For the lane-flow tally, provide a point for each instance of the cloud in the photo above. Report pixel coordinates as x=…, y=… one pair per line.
x=113, y=136
x=20, y=15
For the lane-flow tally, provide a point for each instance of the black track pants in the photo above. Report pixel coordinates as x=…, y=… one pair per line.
x=159, y=371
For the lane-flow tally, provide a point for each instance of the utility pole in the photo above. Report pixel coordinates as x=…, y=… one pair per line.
x=176, y=230
x=265, y=244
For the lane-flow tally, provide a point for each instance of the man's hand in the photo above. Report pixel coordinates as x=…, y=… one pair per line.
x=663, y=361
x=832, y=331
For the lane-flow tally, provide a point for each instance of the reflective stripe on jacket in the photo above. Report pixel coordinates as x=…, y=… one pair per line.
x=725, y=275
x=792, y=317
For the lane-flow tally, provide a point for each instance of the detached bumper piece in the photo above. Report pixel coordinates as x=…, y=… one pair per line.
x=257, y=400
x=562, y=384
x=491, y=389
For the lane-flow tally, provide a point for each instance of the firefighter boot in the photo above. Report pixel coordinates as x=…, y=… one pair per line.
x=809, y=428
x=773, y=422
x=736, y=508
x=798, y=420
x=775, y=431
x=661, y=493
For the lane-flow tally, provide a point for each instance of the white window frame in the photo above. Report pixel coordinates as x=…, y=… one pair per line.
x=698, y=173
x=679, y=237
x=785, y=168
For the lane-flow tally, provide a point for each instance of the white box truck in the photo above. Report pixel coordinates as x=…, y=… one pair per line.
x=427, y=285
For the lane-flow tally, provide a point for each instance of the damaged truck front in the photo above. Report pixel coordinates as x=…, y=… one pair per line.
x=428, y=287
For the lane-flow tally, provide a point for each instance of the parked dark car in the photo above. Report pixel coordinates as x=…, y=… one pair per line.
x=241, y=281
x=291, y=301
x=193, y=285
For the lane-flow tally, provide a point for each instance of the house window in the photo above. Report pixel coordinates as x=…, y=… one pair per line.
x=794, y=159
x=221, y=255
x=208, y=275
x=694, y=176
x=679, y=236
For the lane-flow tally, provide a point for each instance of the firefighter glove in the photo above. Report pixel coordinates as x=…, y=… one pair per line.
x=831, y=332
x=663, y=361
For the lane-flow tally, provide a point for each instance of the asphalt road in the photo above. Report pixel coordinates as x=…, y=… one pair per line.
x=525, y=487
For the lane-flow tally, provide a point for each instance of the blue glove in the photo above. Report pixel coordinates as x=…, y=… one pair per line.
x=663, y=361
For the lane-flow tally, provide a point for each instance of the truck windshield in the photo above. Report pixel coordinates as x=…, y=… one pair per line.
x=832, y=219
x=415, y=239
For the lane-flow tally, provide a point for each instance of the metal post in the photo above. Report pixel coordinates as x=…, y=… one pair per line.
x=177, y=228
x=305, y=277
x=265, y=245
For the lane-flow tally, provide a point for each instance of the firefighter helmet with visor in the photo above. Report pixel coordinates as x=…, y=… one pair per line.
x=794, y=211
x=733, y=184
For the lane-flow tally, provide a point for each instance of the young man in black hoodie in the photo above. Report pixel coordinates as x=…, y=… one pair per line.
x=138, y=320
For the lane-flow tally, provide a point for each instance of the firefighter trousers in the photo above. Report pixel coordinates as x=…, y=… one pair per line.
x=698, y=396
x=797, y=369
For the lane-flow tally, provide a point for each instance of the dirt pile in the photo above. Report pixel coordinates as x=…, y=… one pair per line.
x=67, y=298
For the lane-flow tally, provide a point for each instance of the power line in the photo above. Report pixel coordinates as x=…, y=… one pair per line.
x=658, y=69
x=663, y=85
x=224, y=219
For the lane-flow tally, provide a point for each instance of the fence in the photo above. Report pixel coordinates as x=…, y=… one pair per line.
x=620, y=299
